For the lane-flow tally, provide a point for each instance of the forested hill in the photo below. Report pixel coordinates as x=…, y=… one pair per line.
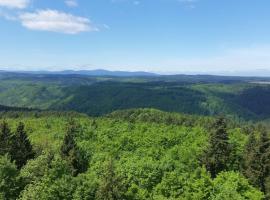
x=160, y=117
x=13, y=109
x=242, y=98
x=136, y=154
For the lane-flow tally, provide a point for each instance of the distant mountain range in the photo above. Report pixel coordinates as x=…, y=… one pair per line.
x=103, y=72
x=97, y=72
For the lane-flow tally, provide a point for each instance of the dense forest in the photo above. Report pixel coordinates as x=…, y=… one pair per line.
x=80, y=137
x=132, y=154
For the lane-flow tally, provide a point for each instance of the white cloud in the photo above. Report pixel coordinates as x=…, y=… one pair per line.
x=56, y=21
x=71, y=3
x=19, y=4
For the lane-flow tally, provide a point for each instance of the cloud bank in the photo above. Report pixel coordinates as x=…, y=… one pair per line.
x=56, y=21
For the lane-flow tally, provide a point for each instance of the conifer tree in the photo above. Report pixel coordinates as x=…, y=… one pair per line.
x=22, y=149
x=5, y=138
x=251, y=161
x=69, y=141
x=264, y=155
x=217, y=155
x=94, y=124
x=257, y=161
x=70, y=151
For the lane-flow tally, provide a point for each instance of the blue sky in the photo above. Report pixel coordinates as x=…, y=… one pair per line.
x=151, y=35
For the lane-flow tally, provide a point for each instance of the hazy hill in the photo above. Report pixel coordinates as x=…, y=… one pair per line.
x=97, y=72
x=9, y=108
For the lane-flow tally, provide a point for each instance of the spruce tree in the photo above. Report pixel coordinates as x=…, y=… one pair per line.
x=251, y=162
x=257, y=161
x=69, y=141
x=70, y=151
x=264, y=155
x=5, y=138
x=22, y=149
x=218, y=153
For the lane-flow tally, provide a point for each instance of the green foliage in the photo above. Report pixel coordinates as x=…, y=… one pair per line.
x=5, y=138
x=217, y=155
x=21, y=147
x=157, y=116
x=251, y=164
x=257, y=162
x=87, y=186
x=264, y=150
x=56, y=183
x=232, y=186
x=16, y=145
x=200, y=186
x=235, y=97
x=194, y=185
x=238, y=138
x=10, y=185
x=134, y=155
x=110, y=187
x=35, y=169
x=71, y=153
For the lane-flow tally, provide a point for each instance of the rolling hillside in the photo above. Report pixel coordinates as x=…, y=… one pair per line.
x=95, y=96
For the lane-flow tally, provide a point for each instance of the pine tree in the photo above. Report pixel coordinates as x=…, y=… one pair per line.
x=70, y=151
x=22, y=149
x=94, y=124
x=257, y=161
x=5, y=138
x=264, y=155
x=251, y=162
x=218, y=153
x=69, y=142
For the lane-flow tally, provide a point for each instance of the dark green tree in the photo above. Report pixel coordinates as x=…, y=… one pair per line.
x=22, y=149
x=71, y=152
x=251, y=163
x=264, y=158
x=218, y=153
x=5, y=138
x=257, y=161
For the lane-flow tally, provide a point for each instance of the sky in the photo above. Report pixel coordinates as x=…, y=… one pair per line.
x=166, y=36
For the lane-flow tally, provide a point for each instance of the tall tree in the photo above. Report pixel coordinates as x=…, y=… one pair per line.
x=70, y=151
x=22, y=149
x=257, y=161
x=5, y=138
x=251, y=163
x=218, y=153
x=264, y=155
